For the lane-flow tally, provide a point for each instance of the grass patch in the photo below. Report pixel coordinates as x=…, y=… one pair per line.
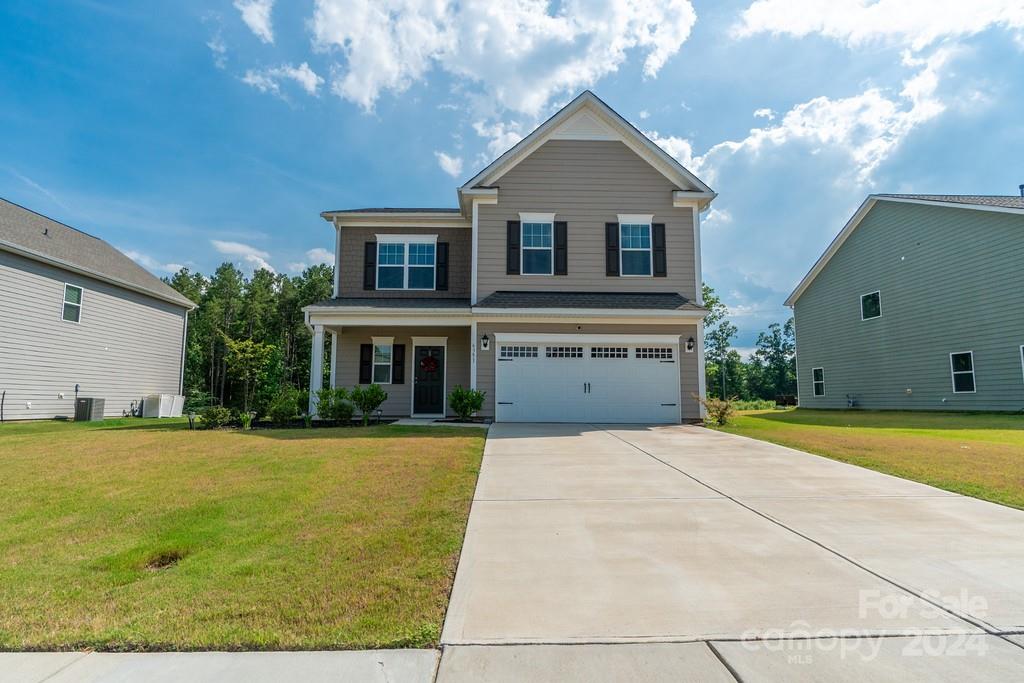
x=142, y=535
x=976, y=454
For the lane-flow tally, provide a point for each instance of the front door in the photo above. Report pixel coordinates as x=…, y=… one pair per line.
x=428, y=384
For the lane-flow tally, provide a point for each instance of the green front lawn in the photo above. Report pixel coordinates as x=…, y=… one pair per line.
x=141, y=535
x=975, y=454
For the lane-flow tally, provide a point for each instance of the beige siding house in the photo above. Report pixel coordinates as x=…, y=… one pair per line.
x=566, y=285
x=78, y=315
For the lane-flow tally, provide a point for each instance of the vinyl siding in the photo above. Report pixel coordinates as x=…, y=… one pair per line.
x=950, y=280
x=399, y=402
x=687, y=367
x=587, y=183
x=127, y=345
x=352, y=258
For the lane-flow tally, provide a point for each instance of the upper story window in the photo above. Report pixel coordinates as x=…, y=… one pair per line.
x=72, y=304
x=636, y=257
x=818, y=381
x=961, y=365
x=406, y=261
x=871, y=306
x=537, y=244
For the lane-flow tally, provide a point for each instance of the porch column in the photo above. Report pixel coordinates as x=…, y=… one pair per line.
x=316, y=367
x=335, y=337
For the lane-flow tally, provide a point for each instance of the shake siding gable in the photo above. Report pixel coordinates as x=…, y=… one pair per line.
x=587, y=183
x=125, y=346
x=352, y=258
x=950, y=280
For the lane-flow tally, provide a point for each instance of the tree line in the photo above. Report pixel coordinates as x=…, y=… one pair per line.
x=770, y=371
x=247, y=338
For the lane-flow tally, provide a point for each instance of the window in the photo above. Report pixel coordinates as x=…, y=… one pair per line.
x=518, y=351
x=656, y=352
x=609, y=352
x=962, y=366
x=72, y=304
x=382, y=363
x=818, y=381
x=1022, y=359
x=565, y=352
x=537, y=250
x=405, y=263
x=635, y=248
x=871, y=306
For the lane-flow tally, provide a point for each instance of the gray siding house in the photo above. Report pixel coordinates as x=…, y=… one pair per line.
x=917, y=305
x=74, y=311
x=566, y=284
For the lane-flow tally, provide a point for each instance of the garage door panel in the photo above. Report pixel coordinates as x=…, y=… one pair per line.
x=590, y=382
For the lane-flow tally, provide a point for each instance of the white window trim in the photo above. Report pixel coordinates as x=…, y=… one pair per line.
x=1022, y=361
x=405, y=240
x=637, y=219
x=814, y=381
x=80, y=304
x=953, y=373
x=879, y=293
x=525, y=218
x=382, y=341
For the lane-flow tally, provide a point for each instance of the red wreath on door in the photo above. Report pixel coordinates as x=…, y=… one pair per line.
x=428, y=364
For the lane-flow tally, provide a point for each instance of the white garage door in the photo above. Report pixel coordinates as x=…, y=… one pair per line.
x=593, y=381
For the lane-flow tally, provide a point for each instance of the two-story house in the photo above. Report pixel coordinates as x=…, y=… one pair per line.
x=875, y=322
x=566, y=285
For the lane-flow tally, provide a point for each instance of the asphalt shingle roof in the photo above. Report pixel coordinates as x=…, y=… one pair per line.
x=384, y=209
x=623, y=300
x=1000, y=201
x=392, y=302
x=24, y=229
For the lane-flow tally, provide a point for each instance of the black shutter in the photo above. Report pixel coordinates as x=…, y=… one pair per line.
x=611, y=249
x=512, y=253
x=442, y=267
x=658, y=242
x=561, y=248
x=365, y=363
x=398, y=363
x=370, y=265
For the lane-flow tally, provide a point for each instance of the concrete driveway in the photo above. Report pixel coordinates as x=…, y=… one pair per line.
x=677, y=552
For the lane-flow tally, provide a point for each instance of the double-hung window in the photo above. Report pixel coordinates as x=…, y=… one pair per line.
x=635, y=254
x=818, y=381
x=406, y=261
x=382, y=361
x=538, y=253
x=961, y=365
x=72, y=304
x=871, y=306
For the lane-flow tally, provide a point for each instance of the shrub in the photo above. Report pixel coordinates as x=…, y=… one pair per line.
x=284, y=407
x=333, y=404
x=754, y=404
x=466, y=402
x=246, y=420
x=719, y=410
x=216, y=416
x=368, y=399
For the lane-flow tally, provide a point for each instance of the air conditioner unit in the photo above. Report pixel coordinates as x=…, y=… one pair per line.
x=162, y=405
x=87, y=409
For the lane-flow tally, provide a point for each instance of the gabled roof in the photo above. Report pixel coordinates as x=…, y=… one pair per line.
x=34, y=236
x=995, y=203
x=588, y=118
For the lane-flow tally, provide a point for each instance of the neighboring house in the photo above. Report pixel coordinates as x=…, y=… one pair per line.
x=917, y=304
x=75, y=312
x=566, y=285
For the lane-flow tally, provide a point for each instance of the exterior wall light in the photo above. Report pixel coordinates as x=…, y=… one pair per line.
x=485, y=343
x=691, y=344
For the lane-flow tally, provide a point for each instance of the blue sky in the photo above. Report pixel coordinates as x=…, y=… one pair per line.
x=197, y=132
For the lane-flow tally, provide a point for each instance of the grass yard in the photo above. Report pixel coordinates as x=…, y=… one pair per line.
x=980, y=455
x=141, y=535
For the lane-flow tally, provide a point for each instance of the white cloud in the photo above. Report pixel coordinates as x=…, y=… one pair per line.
x=269, y=80
x=644, y=114
x=320, y=255
x=257, y=258
x=913, y=23
x=449, y=164
x=522, y=55
x=717, y=217
x=219, y=49
x=764, y=113
x=150, y=263
x=867, y=127
x=256, y=15
x=502, y=136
